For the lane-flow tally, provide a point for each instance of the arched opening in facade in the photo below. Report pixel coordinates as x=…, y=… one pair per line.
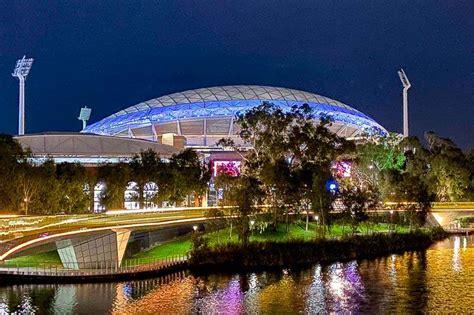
x=99, y=190
x=131, y=196
x=150, y=191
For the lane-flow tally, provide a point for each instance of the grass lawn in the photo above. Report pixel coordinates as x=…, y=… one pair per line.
x=182, y=246
x=279, y=235
x=340, y=230
x=173, y=248
x=37, y=260
x=296, y=231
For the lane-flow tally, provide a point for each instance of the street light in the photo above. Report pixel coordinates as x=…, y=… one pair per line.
x=21, y=71
x=195, y=227
x=406, y=85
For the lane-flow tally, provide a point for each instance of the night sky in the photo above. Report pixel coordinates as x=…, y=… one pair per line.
x=110, y=55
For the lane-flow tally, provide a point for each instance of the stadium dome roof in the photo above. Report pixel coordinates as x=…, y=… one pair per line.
x=212, y=103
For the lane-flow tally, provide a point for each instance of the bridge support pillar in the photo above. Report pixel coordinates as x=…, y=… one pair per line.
x=104, y=250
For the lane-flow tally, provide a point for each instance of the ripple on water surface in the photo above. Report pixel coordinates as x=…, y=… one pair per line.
x=440, y=279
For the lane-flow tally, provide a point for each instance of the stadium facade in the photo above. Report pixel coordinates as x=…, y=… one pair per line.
x=201, y=117
x=196, y=119
x=88, y=149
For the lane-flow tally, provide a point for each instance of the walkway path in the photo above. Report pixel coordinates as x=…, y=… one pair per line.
x=53, y=274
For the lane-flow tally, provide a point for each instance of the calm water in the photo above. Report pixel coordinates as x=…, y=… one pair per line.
x=440, y=279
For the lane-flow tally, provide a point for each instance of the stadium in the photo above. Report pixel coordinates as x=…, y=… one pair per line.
x=201, y=117
x=192, y=119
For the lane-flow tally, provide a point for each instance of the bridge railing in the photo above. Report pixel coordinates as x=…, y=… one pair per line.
x=455, y=205
x=102, y=268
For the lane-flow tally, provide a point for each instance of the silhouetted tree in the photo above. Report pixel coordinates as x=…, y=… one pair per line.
x=115, y=177
x=73, y=179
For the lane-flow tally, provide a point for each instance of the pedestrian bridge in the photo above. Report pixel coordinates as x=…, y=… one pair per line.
x=88, y=248
x=447, y=218
x=91, y=248
x=445, y=214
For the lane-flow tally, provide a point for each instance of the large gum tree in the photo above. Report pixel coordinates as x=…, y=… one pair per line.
x=289, y=152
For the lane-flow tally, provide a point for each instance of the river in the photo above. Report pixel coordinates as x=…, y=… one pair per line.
x=440, y=279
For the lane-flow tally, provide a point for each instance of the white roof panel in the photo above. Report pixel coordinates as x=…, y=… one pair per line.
x=83, y=144
x=233, y=92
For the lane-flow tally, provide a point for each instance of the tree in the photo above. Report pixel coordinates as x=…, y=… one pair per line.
x=265, y=128
x=115, y=178
x=145, y=167
x=49, y=196
x=73, y=179
x=38, y=190
x=356, y=202
x=376, y=155
x=246, y=193
x=410, y=185
x=411, y=192
x=185, y=175
x=240, y=197
x=215, y=217
x=91, y=182
x=29, y=184
x=470, y=163
x=224, y=182
x=449, y=169
x=450, y=178
x=284, y=146
x=323, y=148
x=12, y=156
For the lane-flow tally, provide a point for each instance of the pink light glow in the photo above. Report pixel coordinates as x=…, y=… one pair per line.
x=231, y=168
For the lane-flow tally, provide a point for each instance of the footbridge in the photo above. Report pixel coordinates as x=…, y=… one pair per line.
x=448, y=215
x=91, y=248
x=444, y=214
x=119, y=234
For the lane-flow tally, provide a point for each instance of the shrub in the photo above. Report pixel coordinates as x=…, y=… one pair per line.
x=297, y=252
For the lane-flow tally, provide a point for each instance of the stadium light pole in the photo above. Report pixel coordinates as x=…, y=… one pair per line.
x=406, y=85
x=22, y=68
x=84, y=115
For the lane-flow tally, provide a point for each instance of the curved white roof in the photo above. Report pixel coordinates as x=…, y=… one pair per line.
x=206, y=113
x=232, y=92
x=89, y=145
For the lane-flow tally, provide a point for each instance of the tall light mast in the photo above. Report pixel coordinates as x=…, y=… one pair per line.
x=21, y=71
x=406, y=85
x=84, y=115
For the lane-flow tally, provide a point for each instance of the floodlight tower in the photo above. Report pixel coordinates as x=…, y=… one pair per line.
x=84, y=115
x=21, y=71
x=406, y=85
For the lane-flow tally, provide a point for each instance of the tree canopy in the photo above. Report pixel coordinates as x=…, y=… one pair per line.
x=289, y=157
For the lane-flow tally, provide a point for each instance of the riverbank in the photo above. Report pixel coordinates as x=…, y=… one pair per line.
x=266, y=251
x=438, y=280
x=273, y=254
x=280, y=234
x=215, y=239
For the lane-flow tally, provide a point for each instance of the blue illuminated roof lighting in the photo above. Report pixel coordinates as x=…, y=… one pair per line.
x=227, y=101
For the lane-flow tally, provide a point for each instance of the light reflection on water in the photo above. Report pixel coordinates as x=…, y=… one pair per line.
x=456, y=259
x=440, y=279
